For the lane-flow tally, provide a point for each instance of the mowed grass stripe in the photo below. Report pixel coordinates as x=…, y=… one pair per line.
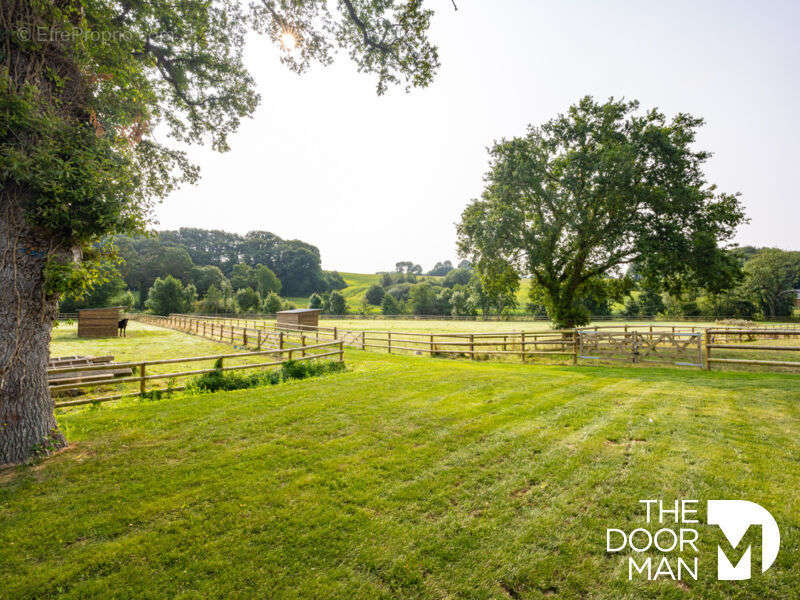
x=406, y=477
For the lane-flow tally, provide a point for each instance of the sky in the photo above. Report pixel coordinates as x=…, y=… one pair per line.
x=372, y=180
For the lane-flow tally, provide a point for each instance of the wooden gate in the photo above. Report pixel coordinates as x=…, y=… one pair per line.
x=664, y=347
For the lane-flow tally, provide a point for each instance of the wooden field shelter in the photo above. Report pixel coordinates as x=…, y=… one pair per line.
x=298, y=318
x=98, y=322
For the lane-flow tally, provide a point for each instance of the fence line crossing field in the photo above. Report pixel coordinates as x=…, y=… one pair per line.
x=768, y=346
x=404, y=477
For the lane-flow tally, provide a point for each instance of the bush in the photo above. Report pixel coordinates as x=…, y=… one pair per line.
x=315, y=301
x=272, y=303
x=389, y=305
x=248, y=299
x=334, y=280
x=375, y=295
x=337, y=304
x=422, y=299
x=400, y=291
x=125, y=299
x=214, y=302
x=460, y=276
x=219, y=380
x=632, y=307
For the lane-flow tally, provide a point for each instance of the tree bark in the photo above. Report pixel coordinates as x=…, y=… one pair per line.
x=27, y=423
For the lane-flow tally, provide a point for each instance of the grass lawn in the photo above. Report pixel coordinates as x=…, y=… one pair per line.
x=143, y=343
x=405, y=477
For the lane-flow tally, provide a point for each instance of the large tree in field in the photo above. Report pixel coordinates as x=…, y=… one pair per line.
x=83, y=84
x=771, y=277
x=592, y=190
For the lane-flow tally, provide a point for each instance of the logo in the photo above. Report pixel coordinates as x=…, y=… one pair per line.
x=734, y=518
x=677, y=534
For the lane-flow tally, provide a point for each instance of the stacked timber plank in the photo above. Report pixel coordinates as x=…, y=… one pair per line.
x=64, y=362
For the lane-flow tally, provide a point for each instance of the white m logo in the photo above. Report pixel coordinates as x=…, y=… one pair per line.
x=735, y=517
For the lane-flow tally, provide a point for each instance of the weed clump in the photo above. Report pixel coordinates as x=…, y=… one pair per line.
x=219, y=380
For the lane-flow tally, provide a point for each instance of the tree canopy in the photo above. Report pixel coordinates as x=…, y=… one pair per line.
x=84, y=86
x=599, y=187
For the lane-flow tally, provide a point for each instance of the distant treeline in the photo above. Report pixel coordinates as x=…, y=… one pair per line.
x=206, y=259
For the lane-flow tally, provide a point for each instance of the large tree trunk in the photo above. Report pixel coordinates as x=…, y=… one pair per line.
x=27, y=424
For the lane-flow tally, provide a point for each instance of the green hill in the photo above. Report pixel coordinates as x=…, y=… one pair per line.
x=358, y=283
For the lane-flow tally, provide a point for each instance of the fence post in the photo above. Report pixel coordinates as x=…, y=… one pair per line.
x=522, y=347
x=335, y=333
x=363, y=340
x=472, y=346
x=244, y=337
x=280, y=340
x=708, y=351
x=303, y=344
x=259, y=339
x=142, y=382
x=341, y=351
x=431, y=344
x=575, y=348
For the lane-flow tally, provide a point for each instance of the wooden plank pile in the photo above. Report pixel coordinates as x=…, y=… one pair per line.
x=81, y=376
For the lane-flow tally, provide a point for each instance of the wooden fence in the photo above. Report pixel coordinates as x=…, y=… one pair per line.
x=681, y=345
x=511, y=344
x=306, y=353
x=751, y=341
x=681, y=348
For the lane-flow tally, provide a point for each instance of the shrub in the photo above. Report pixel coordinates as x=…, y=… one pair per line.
x=389, y=305
x=248, y=299
x=315, y=301
x=337, y=304
x=219, y=380
x=460, y=276
x=334, y=280
x=272, y=303
x=422, y=299
x=214, y=301
x=400, y=291
x=375, y=295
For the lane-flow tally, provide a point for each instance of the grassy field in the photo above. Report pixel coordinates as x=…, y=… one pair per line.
x=404, y=477
x=143, y=343
x=447, y=326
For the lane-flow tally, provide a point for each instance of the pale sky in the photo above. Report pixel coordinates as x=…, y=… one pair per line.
x=373, y=180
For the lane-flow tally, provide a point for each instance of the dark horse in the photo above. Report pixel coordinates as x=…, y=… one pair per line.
x=122, y=326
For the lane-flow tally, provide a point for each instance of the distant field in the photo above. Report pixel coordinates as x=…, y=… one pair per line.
x=444, y=326
x=405, y=477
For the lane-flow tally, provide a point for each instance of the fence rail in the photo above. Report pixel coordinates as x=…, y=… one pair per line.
x=681, y=345
x=474, y=345
x=283, y=355
x=512, y=318
x=750, y=335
